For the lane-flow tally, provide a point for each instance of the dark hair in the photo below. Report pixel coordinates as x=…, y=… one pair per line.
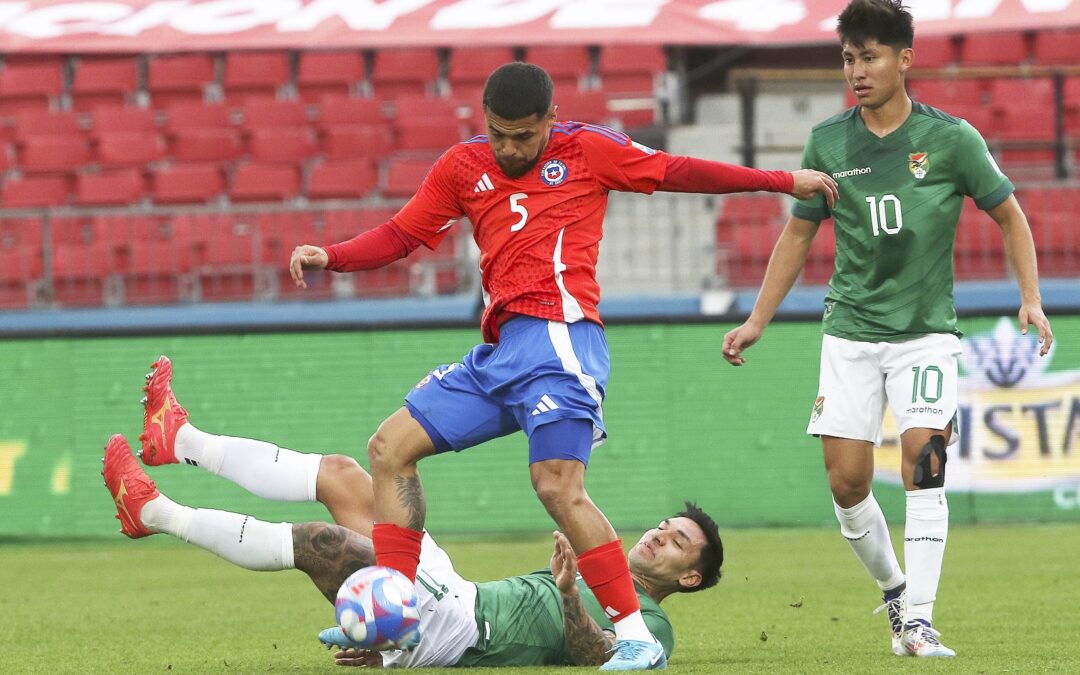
x=712, y=554
x=886, y=21
x=518, y=90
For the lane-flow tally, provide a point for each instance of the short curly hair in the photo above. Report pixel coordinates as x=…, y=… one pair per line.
x=886, y=21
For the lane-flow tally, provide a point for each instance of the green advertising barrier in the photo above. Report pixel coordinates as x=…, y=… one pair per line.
x=682, y=424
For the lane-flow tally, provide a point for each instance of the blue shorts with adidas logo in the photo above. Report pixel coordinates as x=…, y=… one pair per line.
x=539, y=372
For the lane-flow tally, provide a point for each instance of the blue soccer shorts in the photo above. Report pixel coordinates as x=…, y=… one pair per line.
x=539, y=372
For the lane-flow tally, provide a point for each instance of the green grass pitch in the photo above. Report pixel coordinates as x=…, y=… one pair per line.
x=791, y=601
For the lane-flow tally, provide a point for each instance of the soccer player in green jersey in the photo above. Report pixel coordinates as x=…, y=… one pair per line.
x=548, y=617
x=890, y=337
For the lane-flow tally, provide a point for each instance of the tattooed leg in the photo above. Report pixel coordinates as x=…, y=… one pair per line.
x=329, y=554
x=410, y=495
x=393, y=453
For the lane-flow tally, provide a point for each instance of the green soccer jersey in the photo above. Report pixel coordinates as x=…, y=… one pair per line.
x=900, y=200
x=521, y=623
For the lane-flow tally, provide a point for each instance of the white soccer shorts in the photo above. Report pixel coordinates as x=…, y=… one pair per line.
x=917, y=379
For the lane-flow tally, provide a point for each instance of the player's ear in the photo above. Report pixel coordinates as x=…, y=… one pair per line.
x=553, y=114
x=906, y=57
x=690, y=579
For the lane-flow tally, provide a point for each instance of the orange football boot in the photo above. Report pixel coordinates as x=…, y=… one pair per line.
x=129, y=486
x=162, y=417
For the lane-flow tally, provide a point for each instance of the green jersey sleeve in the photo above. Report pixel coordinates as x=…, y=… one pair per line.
x=814, y=209
x=978, y=174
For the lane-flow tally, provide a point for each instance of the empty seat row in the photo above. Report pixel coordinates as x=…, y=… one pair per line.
x=1050, y=48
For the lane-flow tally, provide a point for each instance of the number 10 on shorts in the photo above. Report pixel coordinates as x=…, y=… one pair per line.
x=925, y=380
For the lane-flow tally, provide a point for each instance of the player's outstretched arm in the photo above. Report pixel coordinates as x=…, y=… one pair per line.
x=306, y=257
x=586, y=643
x=1020, y=252
x=785, y=263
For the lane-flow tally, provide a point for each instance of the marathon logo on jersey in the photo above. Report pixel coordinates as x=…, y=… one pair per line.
x=860, y=171
x=918, y=164
x=553, y=172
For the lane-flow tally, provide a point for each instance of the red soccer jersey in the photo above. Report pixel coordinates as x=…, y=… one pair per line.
x=539, y=234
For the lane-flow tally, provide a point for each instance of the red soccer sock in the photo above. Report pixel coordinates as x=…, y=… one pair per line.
x=397, y=548
x=606, y=572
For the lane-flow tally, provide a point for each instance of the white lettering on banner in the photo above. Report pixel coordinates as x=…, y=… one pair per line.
x=150, y=17
x=357, y=14
x=469, y=14
x=762, y=16
x=10, y=10
x=1046, y=6
x=608, y=14
x=232, y=16
x=72, y=17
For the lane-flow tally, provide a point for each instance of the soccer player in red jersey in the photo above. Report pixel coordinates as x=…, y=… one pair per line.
x=535, y=191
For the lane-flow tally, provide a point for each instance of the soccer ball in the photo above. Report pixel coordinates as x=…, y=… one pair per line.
x=377, y=607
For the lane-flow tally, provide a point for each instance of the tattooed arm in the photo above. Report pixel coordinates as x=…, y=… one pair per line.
x=329, y=554
x=586, y=643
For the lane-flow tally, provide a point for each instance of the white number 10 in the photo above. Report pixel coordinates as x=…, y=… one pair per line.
x=879, y=218
x=517, y=208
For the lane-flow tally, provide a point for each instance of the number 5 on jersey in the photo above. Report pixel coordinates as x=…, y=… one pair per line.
x=879, y=214
x=516, y=207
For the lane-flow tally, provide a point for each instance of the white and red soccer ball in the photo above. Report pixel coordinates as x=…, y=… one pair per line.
x=377, y=607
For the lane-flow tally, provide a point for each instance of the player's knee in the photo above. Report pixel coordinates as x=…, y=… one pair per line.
x=339, y=473
x=929, y=469
x=555, y=491
x=846, y=491
x=381, y=454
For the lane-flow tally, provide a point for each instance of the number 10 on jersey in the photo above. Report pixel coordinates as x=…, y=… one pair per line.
x=879, y=214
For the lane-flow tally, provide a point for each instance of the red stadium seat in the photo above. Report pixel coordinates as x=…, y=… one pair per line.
x=1024, y=121
x=424, y=108
x=205, y=145
x=34, y=191
x=80, y=273
x=357, y=142
x=104, y=81
x=122, y=149
x=979, y=116
x=749, y=253
x=179, y=78
x=46, y=124
x=123, y=228
x=1057, y=48
x=254, y=74
x=154, y=271
x=329, y=73
x=404, y=71
x=339, y=111
x=583, y=106
x=1008, y=91
x=225, y=256
x=282, y=146
x=20, y=272
x=567, y=65
x=946, y=93
x=262, y=113
x=188, y=184
x=21, y=232
x=428, y=136
x=993, y=49
x=470, y=68
x=344, y=225
x=110, y=188
x=631, y=68
x=979, y=249
x=129, y=120
x=198, y=116
x=280, y=233
x=404, y=177
x=342, y=180
x=752, y=209
x=30, y=84
x=258, y=182
x=52, y=154
x=935, y=51
x=820, y=261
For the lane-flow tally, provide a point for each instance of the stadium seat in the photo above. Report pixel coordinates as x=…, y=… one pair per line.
x=341, y=180
x=993, y=49
x=424, y=108
x=33, y=191
x=396, y=72
x=764, y=209
x=30, y=84
x=1008, y=91
x=154, y=271
x=337, y=111
x=255, y=74
x=52, y=154
x=977, y=115
x=583, y=106
x=979, y=248
x=263, y=113
x=935, y=51
x=631, y=68
x=45, y=124
x=357, y=142
x=404, y=176
x=329, y=73
x=187, y=184
x=80, y=273
x=259, y=182
x=749, y=253
x=21, y=232
x=205, y=145
x=123, y=149
x=280, y=233
x=1026, y=121
x=121, y=228
x=197, y=116
x=129, y=120
x=181, y=78
x=470, y=68
x=112, y=80
x=282, y=146
x=431, y=136
x=110, y=188
x=346, y=224
x=819, y=262
x=20, y=273
x=225, y=256
x=569, y=66
x=1057, y=47
x=946, y=93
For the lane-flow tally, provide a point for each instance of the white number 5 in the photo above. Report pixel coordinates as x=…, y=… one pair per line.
x=517, y=208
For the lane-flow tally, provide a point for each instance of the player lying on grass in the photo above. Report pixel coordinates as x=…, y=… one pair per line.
x=546, y=617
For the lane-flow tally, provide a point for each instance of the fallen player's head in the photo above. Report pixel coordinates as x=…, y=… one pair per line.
x=682, y=554
x=519, y=115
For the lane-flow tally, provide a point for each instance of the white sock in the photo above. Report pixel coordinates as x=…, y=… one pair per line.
x=865, y=529
x=242, y=540
x=925, y=534
x=261, y=468
x=632, y=627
